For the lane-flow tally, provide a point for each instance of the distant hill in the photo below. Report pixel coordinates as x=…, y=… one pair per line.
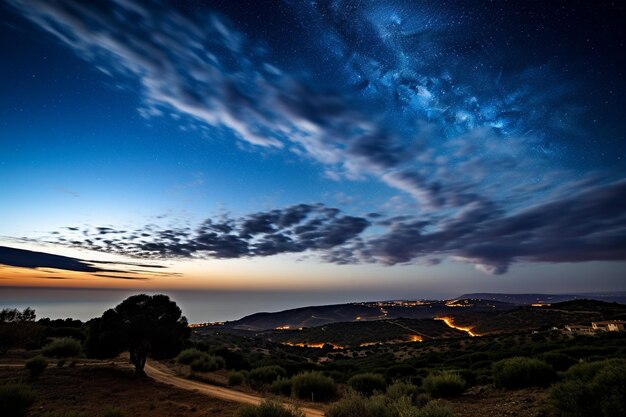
x=368, y=311
x=525, y=318
x=365, y=333
x=389, y=322
x=526, y=299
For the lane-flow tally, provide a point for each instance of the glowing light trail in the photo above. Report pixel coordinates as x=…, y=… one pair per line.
x=449, y=323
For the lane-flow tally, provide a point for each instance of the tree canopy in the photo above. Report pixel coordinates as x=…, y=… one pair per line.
x=142, y=324
x=13, y=315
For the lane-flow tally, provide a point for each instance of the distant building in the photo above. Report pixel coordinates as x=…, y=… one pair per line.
x=579, y=329
x=609, y=325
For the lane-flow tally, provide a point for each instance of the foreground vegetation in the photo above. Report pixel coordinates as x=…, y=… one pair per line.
x=581, y=376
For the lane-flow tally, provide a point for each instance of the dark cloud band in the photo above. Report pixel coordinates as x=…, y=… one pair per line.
x=587, y=226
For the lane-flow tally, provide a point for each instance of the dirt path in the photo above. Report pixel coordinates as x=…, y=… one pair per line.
x=162, y=373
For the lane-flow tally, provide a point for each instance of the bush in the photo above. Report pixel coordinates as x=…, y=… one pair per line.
x=402, y=389
x=207, y=363
x=357, y=406
x=367, y=383
x=436, y=409
x=234, y=360
x=314, y=386
x=404, y=407
x=266, y=374
x=282, y=386
x=15, y=399
x=113, y=412
x=519, y=372
x=189, y=355
x=36, y=365
x=399, y=372
x=269, y=408
x=443, y=385
x=236, y=378
x=200, y=361
x=559, y=361
x=592, y=389
x=64, y=347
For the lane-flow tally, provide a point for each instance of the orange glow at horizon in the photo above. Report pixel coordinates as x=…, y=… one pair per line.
x=313, y=345
x=449, y=322
x=50, y=277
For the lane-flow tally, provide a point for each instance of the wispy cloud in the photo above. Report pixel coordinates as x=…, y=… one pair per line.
x=43, y=261
x=386, y=94
x=31, y=259
x=291, y=230
x=586, y=226
x=389, y=104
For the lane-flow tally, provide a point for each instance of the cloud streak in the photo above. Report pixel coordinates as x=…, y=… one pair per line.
x=389, y=104
x=23, y=258
x=405, y=96
x=296, y=229
x=588, y=226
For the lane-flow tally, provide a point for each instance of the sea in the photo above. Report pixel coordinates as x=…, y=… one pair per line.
x=199, y=306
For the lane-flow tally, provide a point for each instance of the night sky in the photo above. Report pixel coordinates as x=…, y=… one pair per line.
x=411, y=147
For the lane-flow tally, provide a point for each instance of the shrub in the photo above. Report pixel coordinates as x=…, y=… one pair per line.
x=113, y=412
x=36, y=365
x=404, y=407
x=402, y=389
x=314, y=386
x=269, y=408
x=445, y=384
x=266, y=374
x=592, y=389
x=236, y=378
x=64, y=347
x=436, y=409
x=399, y=372
x=357, y=406
x=282, y=386
x=189, y=355
x=234, y=360
x=367, y=383
x=207, y=363
x=15, y=399
x=200, y=361
x=519, y=372
x=559, y=361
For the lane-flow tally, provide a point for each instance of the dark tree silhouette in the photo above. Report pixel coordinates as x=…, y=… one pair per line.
x=142, y=324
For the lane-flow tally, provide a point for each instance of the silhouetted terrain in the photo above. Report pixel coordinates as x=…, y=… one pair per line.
x=528, y=318
x=364, y=333
x=476, y=310
x=369, y=311
x=610, y=297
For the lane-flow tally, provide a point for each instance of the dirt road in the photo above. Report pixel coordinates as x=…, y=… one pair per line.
x=162, y=373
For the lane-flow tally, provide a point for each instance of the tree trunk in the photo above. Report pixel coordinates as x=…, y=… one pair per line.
x=138, y=358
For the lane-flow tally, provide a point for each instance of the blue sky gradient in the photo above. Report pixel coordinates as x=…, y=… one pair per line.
x=423, y=144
